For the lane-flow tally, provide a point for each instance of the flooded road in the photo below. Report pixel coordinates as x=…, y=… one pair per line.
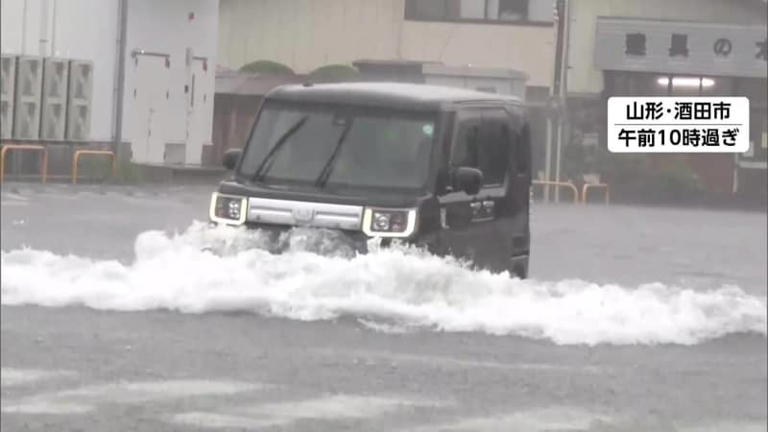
x=118, y=314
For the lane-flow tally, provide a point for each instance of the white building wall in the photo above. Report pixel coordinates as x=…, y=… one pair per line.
x=525, y=48
x=88, y=30
x=584, y=78
x=165, y=27
x=306, y=34
x=78, y=29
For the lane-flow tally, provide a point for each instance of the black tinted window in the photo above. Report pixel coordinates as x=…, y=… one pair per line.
x=482, y=141
x=494, y=150
x=465, y=149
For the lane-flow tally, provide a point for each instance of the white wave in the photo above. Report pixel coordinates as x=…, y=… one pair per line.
x=225, y=269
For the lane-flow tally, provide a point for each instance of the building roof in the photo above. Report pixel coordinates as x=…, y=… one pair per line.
x=473, y=71
x=385, y=94
x=239, y=83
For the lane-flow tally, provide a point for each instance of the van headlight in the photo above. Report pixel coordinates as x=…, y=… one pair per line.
x=389, y=222
x=228, y=209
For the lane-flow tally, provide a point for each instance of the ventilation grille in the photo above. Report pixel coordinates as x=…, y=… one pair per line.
x=79, y=106
x=29, y=79
x=7, y=94
x=53, y=121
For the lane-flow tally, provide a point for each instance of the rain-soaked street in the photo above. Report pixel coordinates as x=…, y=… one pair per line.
x=634, y=319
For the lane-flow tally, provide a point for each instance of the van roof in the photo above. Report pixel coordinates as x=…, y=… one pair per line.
x=385, y=94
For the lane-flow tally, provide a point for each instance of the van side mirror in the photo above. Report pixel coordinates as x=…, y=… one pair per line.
x=231, y=157
x=467, y=179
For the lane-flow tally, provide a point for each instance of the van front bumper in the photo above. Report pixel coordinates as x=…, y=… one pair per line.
x=314, y=239
x=281, y=238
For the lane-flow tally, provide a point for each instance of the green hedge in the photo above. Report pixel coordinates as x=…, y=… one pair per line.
x=635, y=179
x=334, y=72
x=266, y=67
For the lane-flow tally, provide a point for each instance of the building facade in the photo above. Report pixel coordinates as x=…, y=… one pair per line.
x=306, y=34
x=476, y=36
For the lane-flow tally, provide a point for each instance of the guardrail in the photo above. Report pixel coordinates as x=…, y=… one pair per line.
x=78, y=153
x=588, y=186
x=567, y=185
x=34, y=147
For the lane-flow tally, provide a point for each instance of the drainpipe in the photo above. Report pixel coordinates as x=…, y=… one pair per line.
x=44, y=6
x=53, y=31
x=117, y=134
x=23, y=50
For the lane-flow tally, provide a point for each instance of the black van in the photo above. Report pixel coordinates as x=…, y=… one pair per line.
x=442, y=167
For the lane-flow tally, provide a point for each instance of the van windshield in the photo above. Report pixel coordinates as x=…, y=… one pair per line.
x=340, y=147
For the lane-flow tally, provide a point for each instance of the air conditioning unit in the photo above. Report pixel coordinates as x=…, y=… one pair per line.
x=54, y=108
x=29, y=80
x=7, y=94
x=79, y=100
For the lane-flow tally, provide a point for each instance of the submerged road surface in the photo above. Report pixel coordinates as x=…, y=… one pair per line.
x=635, y=319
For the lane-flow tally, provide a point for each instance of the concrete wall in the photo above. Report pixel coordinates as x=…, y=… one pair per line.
x=305, y=34
x=583, y=77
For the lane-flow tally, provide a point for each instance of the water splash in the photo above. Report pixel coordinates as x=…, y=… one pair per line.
x=318, y=277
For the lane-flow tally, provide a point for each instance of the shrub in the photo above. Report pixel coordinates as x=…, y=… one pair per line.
x=334, y=72
x=675, y=182
x=266, y=67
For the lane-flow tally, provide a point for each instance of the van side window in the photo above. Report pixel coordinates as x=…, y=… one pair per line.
x=465, y=150
x=482, y=141
x=494, y=150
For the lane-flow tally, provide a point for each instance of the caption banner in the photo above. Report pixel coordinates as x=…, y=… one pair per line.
x=678, y=124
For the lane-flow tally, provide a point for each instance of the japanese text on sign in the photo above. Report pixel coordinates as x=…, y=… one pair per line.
x=678, y=124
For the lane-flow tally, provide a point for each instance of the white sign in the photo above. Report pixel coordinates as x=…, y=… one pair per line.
x=678, y=124
x=674, y=47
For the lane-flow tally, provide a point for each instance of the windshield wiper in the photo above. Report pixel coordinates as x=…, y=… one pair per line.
x=266, y=163
x=328, y=167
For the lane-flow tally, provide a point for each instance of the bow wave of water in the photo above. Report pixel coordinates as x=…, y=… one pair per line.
x=318, y=278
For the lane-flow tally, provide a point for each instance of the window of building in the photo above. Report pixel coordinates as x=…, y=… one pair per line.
x=490, y=11
x=635, y=44
x=650, y=84
x=513, y=10
x=678, y=45
x=430, y=10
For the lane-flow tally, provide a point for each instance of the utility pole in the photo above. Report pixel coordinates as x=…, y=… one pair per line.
x=558, y=89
